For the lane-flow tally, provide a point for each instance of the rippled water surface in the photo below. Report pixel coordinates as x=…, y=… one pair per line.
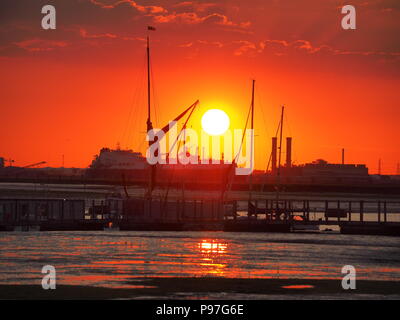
x=111, y=258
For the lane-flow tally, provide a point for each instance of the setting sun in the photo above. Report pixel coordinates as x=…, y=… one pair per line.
x=215, y=122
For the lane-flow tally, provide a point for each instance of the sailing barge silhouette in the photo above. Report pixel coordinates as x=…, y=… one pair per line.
x=156, y=212
x=160, y=212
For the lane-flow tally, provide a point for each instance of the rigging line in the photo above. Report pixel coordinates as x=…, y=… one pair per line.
x=262, y=111
x=135, y=121
x=266, y=170
x=122, y=137
x=290, y=135
x=173, y=168
x=244, y=133
x=193, y=106
x=142, y=114
x=155, y=102
x=139, y=120
x=134, y=97
x=270, y=158
x=131, y=123
x=126, y=122
x=278, y=175
x=131, y=120
x=230, y=173
x=276, y=136
x=266, y=128
x=288, y=124
x=280, y=142
x=136, y=118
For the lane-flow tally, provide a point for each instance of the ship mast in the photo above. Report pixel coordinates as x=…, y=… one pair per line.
x=252, y=140
x=149, y=124
x=152, y=176
x=280, y=155
x=229, y=182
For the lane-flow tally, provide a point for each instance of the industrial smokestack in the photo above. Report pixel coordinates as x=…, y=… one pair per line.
x=342, y=156
x=288, y=152
x=273, y=154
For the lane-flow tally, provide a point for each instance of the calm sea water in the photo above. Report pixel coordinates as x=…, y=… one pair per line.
x=111, y=258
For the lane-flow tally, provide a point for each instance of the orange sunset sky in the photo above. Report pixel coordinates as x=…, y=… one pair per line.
x=78, y=88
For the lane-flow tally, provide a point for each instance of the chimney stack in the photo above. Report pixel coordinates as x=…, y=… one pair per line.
x=342, y=156
x=288, y=152
x=273, y=154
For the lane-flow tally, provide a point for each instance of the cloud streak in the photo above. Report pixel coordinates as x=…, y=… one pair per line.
x=37, y=45
x=133, y=4
x=194, y=18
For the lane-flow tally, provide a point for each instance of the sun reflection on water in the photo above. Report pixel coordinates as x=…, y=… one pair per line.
x=110, y=259
x=212, y=257
x=212, y=247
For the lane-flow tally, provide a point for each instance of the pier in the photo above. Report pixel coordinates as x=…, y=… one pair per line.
x=352, y=217
x=268, y=215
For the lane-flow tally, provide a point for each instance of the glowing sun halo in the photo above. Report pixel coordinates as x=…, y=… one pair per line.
x=215, y=122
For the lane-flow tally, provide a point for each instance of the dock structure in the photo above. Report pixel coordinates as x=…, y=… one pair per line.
x=351, y=216
x=267, y=215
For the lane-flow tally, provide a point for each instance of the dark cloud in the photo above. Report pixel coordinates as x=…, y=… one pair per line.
x=262, y=28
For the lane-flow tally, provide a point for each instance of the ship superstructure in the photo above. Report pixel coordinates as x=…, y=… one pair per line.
x=119, y=159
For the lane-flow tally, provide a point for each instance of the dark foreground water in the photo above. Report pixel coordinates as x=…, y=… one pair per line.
x=112, y=258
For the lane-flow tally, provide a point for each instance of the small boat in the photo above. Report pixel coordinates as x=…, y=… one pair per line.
x=111, y=227
x=303, y=226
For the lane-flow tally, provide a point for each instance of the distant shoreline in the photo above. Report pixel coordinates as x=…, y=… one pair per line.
x=385, y=187
x=57, y=189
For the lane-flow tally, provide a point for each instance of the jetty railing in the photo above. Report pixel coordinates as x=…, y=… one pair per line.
x=320, y=211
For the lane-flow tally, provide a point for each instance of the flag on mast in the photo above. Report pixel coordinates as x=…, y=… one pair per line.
x=151, y=28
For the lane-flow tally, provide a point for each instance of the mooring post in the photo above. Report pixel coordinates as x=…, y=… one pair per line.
x=266, y=209
x=286, y=209
x=93, y=209
x=384, y=212
x=326, y=210
x=349, y=210
x=271, y=209
x=338, y=206
x=362, y=211
x=379, y=211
